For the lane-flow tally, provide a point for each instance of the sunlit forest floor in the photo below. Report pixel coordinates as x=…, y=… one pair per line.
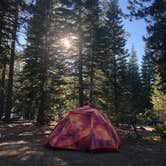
x=21, y=144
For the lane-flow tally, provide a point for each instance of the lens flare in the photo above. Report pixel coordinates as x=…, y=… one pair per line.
x=66, y=43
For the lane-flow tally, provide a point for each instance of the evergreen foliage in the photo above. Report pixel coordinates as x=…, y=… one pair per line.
x=74, y=56
x=147, y=78
x=134, y=87
x=158, y=99
x=153, y=11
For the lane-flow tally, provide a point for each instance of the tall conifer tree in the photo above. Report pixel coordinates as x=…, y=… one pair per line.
x=114, y=66
x=135, y=89
x=147, y=75
x=153, y=11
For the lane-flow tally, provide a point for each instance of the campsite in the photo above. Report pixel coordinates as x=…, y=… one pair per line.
x=22, y=146
x=82, y=83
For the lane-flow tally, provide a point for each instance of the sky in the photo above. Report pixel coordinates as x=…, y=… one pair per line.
x=136, y=29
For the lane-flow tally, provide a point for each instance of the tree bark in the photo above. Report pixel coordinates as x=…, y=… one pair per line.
x=80, y=68
x=133, y=124
x=91, y=90
x=3, y=89
x=81, y=100
x=91, y=86
x=43, y=106
x=115, y=86
x=8, y=103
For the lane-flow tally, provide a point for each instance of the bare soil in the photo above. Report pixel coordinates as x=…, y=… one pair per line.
x=21, y=144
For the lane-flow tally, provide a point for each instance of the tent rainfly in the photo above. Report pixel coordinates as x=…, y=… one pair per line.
x=84, y=129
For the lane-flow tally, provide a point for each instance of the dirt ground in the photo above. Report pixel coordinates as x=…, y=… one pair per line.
x=21, y=144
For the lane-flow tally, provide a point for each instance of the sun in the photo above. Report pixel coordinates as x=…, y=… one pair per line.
x=66, y=43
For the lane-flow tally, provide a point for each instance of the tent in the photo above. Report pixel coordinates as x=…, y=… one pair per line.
x=84, y=129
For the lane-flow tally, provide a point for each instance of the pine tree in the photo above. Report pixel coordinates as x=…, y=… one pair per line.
x=135, y=89
x=91, y=41
x=11, y=19
x=8, y=103
x=153, y=11
x=147, y=75
x=5, y=37
x=158, y=99
x=77, y=13
x=114, y=62
x=43, y=71
x=86, y=25
x=36, y=61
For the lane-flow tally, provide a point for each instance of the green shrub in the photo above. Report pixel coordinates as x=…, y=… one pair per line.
x=161, y=129
x=119, y=118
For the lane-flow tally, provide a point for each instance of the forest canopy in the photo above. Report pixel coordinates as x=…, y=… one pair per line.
x=75, y=55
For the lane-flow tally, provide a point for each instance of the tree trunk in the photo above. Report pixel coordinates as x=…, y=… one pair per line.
x=91, y=92
x=133, y=124
x=135, y=130
x=3, y=89
x=80, y=68
x=81, y=100
x=43, y=106
x=91, y=86
x=115, y=86
x=8, y=103
x=2, y=83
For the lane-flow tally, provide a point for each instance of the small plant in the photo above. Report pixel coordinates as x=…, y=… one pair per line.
x=161, y=129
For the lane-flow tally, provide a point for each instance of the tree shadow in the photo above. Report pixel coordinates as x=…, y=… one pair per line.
x=21, y=144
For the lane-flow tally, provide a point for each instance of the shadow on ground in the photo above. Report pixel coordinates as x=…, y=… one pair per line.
x=21, y=145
